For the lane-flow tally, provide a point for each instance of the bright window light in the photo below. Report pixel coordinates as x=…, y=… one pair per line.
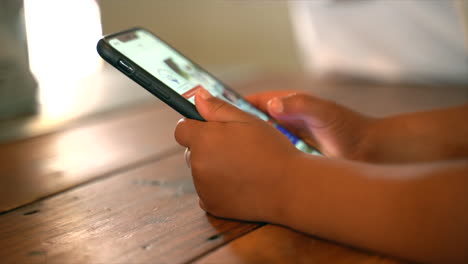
x=62, y=36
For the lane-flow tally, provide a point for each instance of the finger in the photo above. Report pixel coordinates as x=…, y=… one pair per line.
x=186, y=131
x=201, y=204
x=215, y=109
x=318, y=112
x=260, y=100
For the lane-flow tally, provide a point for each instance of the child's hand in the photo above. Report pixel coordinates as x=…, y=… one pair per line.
x=334, y=130
x=238, y=162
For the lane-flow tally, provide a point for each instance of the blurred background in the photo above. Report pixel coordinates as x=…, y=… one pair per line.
x=233, y=35
x=68, y=81
x=52, y=77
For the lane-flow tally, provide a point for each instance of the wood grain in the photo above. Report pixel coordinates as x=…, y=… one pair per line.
x=275, y=244
x=41, y=166
x=120, y=192
x=146, y=215
x=35, y=168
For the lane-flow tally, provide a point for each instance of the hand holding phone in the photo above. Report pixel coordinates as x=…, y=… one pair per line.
x=173, y=78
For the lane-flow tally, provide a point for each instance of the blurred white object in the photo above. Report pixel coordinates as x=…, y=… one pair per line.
x=420, y=41
x=17, y=86
x=62, y=37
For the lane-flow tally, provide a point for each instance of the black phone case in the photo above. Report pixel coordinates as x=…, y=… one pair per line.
x=145, y=79
x=148, y=81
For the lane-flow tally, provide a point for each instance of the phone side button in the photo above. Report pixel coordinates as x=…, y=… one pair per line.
x=145, y=82
x=160, y=92
x=125, y=67
x=141, y=79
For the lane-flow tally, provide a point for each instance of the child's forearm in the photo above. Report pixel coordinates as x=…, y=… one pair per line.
x=423, y=136
x=414, y=212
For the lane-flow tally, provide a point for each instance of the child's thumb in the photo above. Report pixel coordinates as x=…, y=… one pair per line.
x=315, y=111
x=215, y=109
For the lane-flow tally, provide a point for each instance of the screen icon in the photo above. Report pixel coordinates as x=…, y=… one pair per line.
x=171, y=78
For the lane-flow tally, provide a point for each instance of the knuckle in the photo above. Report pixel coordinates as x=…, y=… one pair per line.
x=181, y=131
x=301, y=100
x=218, y=106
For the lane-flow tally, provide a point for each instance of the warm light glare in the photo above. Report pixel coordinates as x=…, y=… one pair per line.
x=62, y=36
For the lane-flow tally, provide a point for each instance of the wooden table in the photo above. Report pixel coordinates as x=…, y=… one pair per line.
x=116, y=189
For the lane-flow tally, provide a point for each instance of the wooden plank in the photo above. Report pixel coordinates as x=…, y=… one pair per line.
x=44, y=165
x=275, y=244
x=35, y=168
x=111, y=222
x=38, y=167
x=146, y=215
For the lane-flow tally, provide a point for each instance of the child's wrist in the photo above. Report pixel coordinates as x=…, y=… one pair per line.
x=284, y=193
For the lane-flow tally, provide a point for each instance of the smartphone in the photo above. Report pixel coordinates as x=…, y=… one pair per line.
x=172, y=77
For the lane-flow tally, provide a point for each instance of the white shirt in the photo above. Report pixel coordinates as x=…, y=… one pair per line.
x=388, y=40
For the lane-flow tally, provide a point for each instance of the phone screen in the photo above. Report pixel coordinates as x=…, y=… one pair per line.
x=184, y=77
